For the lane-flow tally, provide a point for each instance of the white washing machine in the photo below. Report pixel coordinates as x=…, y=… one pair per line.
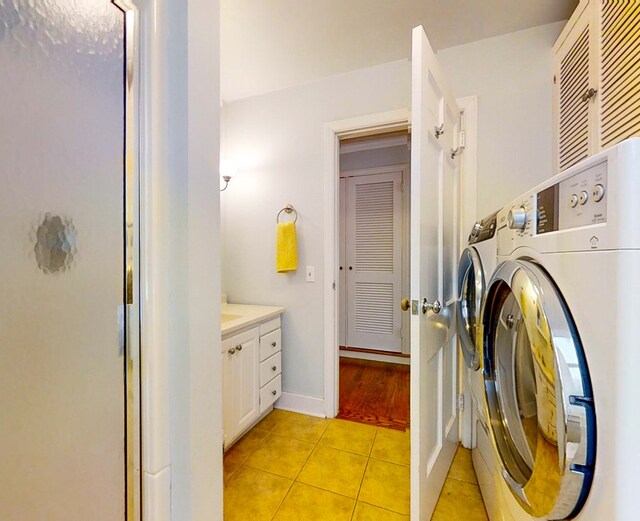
x=559, y=328
x=477, y=263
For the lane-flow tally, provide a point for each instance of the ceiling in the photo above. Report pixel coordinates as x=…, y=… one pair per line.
x=268, y=45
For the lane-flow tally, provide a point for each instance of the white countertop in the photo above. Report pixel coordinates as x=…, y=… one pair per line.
x=236, y=317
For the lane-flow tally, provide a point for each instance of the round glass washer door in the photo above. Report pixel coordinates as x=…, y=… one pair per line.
x=538, y=392
x=471, y=285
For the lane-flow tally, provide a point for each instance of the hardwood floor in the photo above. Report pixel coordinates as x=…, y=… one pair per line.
x=376, y=393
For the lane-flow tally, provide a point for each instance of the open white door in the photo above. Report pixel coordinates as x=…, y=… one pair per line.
x=434, y=191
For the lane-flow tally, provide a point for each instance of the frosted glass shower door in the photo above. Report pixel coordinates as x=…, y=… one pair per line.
x=62, y=362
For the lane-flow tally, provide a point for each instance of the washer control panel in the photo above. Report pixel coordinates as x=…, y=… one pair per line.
x=520, y=217
x=578, y=201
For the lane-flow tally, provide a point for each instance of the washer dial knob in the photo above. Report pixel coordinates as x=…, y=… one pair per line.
x=517, y=219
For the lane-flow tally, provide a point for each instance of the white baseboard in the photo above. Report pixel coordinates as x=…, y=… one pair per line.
x=300, y=403
x=402, y=360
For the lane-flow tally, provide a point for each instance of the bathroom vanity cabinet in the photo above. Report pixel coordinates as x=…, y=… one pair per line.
x=251, y=371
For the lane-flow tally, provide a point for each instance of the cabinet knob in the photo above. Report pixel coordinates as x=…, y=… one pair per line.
x=274, y=368
x=274, y=344
x=274, y=392
x=239, y=348
x=231, y=350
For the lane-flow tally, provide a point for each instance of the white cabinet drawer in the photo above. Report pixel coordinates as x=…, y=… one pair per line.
x=270, y=344
x=270, y=368
x=270, y=325
x=270, y=393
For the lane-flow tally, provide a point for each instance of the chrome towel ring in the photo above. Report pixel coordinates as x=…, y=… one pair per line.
x=288, y=209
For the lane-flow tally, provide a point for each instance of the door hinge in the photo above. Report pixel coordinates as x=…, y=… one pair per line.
x=461, y=402
x=334, y=285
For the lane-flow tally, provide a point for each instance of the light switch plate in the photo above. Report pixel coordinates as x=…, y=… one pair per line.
x=310, y=274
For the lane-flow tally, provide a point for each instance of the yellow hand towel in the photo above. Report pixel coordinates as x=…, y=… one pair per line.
x=286, y=248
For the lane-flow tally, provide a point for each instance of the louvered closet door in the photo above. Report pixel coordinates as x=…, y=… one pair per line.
x=374, y=261
x=620, y=75
x=574, y=80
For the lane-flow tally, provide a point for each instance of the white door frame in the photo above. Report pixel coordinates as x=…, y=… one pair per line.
x=468, y=215
x=370, y=125
x=355, y=127
x=189, y=478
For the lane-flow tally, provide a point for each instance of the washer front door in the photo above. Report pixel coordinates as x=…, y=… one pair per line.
x=471, y=287
x=538, y=392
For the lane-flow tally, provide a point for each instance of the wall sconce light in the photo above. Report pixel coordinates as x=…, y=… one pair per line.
x=228, y=170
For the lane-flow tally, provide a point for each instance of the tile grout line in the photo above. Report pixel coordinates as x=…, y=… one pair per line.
x=375, y=436
x=295, y=480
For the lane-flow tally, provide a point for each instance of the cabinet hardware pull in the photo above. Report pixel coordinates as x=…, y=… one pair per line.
x=274, y=392
x=239, y=348
x=274, y=344
x=274, y=368
x=231, y=350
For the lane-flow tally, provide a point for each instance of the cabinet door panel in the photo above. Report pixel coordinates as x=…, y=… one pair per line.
x=573, y=80
x=620, y=72
x=247, y=383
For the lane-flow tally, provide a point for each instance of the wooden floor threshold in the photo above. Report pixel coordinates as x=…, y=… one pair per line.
x=374, y=351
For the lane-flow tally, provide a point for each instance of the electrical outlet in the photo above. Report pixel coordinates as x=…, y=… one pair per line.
x=310, y=274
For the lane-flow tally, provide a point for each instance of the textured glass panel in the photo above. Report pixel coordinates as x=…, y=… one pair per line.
x=61, y=261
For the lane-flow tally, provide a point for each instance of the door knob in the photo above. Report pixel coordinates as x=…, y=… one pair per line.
x=434, y=306
x=239, y=347
x=405, y=304
x=231, y=350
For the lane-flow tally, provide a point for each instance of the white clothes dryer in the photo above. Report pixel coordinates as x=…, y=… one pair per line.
x=559, y=329
x=477, y=263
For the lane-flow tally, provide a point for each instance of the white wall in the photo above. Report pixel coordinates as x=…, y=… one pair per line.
x=512, y=76
x=278, y=141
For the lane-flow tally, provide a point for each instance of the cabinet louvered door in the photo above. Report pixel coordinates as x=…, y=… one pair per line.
x=574, y=104
x=620, y=71
x=374, y=261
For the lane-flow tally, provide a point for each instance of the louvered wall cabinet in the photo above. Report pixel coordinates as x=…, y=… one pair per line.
x=596, y=80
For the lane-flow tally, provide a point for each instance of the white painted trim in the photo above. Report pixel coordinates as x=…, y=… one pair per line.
x=375, y=357
x=373, y=144
x=354, y=127
x=309, y=405
x=374, y=170
x=468, y=214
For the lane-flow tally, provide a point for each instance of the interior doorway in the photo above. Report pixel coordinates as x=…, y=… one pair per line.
x=373, y=244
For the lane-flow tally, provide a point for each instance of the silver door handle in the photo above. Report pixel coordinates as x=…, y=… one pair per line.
x=435, y=307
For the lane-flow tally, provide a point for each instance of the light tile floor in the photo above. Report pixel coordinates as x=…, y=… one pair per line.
x=296, y=467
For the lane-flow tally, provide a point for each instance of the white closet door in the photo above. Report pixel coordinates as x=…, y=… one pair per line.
x=374, y=261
